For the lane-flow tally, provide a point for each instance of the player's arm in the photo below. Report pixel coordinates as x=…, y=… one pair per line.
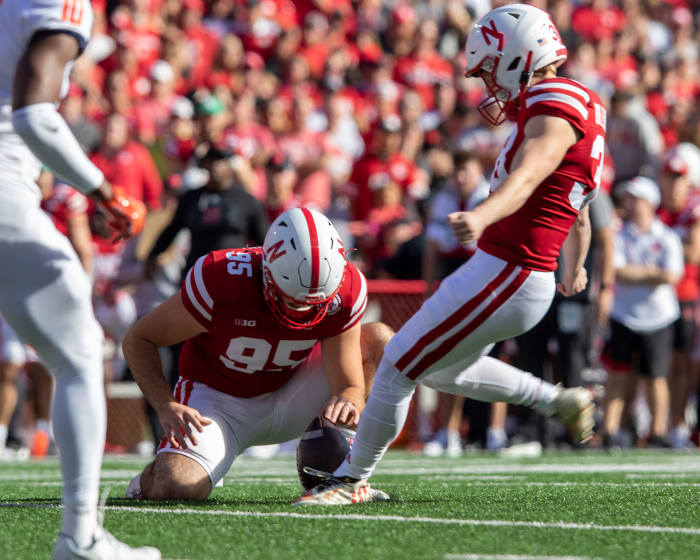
x=342, y=362
x=547, y=139
x=575, y=249
x=37, y=88
x=691, y=246
x=80, y=237
x=167, y=324
x=669, y=271
x=646, y=274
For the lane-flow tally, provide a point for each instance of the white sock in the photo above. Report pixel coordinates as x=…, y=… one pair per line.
x=3, y=436
x=380, y=423
x=79, y=420
x=492, y=380
x=44, y=426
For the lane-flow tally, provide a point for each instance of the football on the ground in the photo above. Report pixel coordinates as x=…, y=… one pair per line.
x=322, y=447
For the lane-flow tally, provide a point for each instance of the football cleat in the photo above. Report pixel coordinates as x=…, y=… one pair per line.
x=104, y=547
x=335, y=491
x=574, y=407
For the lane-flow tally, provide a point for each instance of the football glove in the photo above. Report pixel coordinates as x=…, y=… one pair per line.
x=125, y=215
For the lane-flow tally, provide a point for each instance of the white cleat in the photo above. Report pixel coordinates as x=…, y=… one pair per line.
x=104, y=547
x=133, y=491
x=338, y=492
x=574, y=407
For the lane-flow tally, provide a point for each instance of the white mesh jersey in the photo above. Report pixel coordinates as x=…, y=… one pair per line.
x=20, y=20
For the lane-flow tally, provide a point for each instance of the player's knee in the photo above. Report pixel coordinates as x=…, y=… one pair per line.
x=175, y=477
x=373, y=339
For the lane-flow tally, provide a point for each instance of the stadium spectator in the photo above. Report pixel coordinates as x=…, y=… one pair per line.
x=680, y=210
x=128, y=163
x=219, y=214
x=385, y=160
x=633, y=137
x=282, y=178
x=468, y=187
x=86, y=130
x=648, y=262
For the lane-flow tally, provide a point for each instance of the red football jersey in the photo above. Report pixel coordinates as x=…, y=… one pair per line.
x=63, y=203
x=688, y=289
x=532, y=236
x=246, y=351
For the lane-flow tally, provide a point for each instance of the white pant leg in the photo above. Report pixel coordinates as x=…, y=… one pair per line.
x=484, y=301
x=222, y=441
x=299, y=401
x=45, y=297
x=239, y=423
x=12, y=349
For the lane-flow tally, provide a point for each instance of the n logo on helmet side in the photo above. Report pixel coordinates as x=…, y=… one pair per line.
x=274, y=252
x=493, y=32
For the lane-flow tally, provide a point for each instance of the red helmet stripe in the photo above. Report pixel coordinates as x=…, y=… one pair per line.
x=313, y=239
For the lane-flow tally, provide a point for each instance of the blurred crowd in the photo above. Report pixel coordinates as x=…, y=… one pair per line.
x=222, y=114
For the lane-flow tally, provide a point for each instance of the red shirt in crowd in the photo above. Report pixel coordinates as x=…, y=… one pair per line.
x=594, y=24
x=132, y=168
x=682, y=222
x=422, y=73
x=371, y=168
x=64, y=203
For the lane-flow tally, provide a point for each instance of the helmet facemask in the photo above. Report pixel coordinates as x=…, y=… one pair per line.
x=500, y=104
x=292, y=312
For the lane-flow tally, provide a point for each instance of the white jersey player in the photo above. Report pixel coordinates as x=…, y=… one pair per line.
x=44, y=291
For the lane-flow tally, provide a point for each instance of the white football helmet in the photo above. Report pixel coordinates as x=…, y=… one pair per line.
x=504, y=48
x=303, y=267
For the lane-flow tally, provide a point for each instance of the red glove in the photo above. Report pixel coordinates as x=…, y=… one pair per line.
x=126, y=215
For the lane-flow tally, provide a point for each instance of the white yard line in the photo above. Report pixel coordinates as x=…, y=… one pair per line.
x=511, y=557
x=550, y=484
x=665, y=475
x=391, y=518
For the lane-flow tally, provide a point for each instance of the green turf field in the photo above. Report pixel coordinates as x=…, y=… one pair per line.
x=633, y=505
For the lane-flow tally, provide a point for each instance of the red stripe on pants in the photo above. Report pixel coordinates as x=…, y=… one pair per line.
x=189, y=384
x=454, y=319
x=447, y=345
x=178, y=390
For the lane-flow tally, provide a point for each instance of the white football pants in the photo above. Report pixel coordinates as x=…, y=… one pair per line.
x=45, y=296
x=443, y=345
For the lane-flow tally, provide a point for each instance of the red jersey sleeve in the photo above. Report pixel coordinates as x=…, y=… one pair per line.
x=561, y=98
x=198, y=289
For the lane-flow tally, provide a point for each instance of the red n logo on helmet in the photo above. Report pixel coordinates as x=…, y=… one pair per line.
x=493, y=32
x=274, y=253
